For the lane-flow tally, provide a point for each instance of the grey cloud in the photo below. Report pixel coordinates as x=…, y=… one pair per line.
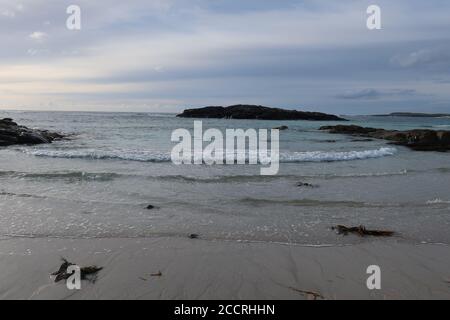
x=290, y=53
x=10, y=11
x=372, y=94
x=38, y=36
x=7, y=13
x=362, y=94
x=423, y=57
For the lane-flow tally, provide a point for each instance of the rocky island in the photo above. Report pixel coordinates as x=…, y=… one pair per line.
x=419, y=139
x=12, y=134
x=256, y=112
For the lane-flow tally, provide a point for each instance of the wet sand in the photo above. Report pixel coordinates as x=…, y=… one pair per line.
x=198, y=269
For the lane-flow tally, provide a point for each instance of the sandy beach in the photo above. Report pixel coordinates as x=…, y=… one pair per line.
x=198, y=269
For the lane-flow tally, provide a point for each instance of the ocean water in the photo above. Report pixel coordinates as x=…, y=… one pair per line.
x=98, y=183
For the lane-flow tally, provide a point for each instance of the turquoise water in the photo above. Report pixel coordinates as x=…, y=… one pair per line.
x=98, y=183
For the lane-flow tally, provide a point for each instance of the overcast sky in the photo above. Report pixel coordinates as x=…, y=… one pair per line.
x=165, y=55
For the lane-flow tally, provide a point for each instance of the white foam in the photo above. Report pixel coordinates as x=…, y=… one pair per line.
x=325, y=156
x=151, y=156
x=438, y=201
x=143, y=156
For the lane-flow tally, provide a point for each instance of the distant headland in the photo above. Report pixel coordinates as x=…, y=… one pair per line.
x=256, y=112
x=414, y=115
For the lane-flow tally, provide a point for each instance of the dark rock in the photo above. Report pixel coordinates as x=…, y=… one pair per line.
x=150, y=207
x=7, y=121
x=8, y=138
x=324, y=141
x=419, y=139
x=11, y=133
x=444, y=136
x=194, y=236
x=281, y=128
x=256, y=112
x=350, y=129
x=32, y=138
x=362, y=140
x=305, y=184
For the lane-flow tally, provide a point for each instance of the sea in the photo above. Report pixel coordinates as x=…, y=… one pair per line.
x=99, y=182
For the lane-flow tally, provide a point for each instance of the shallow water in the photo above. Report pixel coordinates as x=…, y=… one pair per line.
x=98, y=183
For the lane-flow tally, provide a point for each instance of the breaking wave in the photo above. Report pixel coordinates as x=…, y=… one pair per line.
x=141, y=156
x=80, y=176
x=307, y=203
x=150, y=156
x=438, y=201
x=325, y=156
x=63, y=175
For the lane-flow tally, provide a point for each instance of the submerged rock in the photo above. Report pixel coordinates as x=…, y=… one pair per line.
x=306, y=184
x=282, y=128
x=256, y=112
x=362, y=140
x=11, y=134
x=419, y=139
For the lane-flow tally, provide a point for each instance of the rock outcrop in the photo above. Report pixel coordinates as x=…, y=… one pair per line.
x=419, y=139
x=281, y=128
x=11, y=134
x=256, y=112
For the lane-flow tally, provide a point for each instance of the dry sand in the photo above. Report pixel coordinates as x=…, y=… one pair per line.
x=197, y=269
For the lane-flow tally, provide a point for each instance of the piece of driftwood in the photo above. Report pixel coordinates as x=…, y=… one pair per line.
x=158, y=274
x=362, y=231
x=87, y=273
x=308, y=294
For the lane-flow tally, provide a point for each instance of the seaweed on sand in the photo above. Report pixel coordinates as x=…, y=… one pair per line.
x=87, y=273
x=362, y=231
x=309, y=294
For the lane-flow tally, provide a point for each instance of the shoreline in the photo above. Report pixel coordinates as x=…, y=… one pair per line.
x=200, y=269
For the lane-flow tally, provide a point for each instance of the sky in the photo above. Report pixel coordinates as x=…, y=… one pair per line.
x=168, y=55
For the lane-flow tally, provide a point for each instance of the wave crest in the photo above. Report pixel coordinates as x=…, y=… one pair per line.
x=438, y=201
x=150, y=156
x=326, y=156
x=140, y=156
x=62, y=175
